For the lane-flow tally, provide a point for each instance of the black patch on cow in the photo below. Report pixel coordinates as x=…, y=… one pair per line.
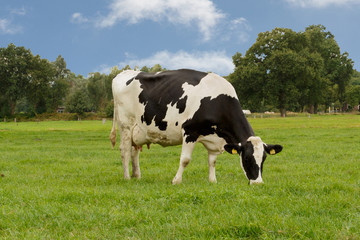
x=129, y=81
x=162, y=89
x=249, y=162
x=221, y=115
x=262, y=163
x=181, y=104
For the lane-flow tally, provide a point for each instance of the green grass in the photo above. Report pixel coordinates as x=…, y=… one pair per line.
x=62, y=180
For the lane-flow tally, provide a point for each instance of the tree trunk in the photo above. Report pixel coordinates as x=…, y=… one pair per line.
x=311, y=109
x=12, y=106
x=282, y=112
x=282, y=101
x=344, y=107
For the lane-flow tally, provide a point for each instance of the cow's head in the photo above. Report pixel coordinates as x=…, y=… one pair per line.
x=252, y=156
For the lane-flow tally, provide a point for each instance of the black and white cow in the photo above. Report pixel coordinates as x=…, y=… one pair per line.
x=184, y=107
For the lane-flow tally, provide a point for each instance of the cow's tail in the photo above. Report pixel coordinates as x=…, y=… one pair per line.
x=113, y=130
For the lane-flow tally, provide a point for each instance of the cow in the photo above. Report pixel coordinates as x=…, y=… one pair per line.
x=184, y=107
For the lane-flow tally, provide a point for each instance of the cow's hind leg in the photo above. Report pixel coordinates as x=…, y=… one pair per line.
x=135, y=162
x=125, y=149
x=185, y=158
x=212, y=162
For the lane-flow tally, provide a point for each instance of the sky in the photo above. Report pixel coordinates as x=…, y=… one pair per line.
x=95, y=35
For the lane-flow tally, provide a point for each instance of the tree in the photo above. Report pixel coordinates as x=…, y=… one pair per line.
x=145, y=69
x=31, y=79
x=246, y=79
x=75, y=82
x=4, y=106
x=41, y=73
x=14, y=73
x=108, y=84
x=290, y=70
x=57, y=93
x=97, y=91
x=353, y=95
x=60, y=67
x=59, y=85
x=79, y=102
x=342, y=76
x=337, y=70
x=355, y=79
x=156, y=68
x=353, y=90
x=273, y=69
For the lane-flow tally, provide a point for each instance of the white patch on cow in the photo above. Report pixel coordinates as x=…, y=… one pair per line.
x=256, y=181
x=172, y=115
x=241, y=163
x=212, y=85
x=144, y=134
x=258, y=155
x=126, y=110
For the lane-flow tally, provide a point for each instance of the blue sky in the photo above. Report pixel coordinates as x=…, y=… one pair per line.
x=95, y=35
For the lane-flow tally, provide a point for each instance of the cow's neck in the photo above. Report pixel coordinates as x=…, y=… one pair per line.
x=242, y=131
x=236, y=128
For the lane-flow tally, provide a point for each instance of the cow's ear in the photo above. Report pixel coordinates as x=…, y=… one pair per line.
x=272, y=149
x=233, y=148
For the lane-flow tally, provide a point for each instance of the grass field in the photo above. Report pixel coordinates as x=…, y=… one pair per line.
x=62, y=180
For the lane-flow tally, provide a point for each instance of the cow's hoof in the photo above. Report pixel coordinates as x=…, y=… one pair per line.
x=176, y=181
x=137, y=176
x=212, y=181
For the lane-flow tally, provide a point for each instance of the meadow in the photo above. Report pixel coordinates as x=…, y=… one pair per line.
x=62, y=180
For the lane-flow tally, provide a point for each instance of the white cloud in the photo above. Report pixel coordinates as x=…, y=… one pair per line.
x=238, y=30
x=322, y=3
x=18, y=11
x=201, y=13
x=6, y=24
x=211, y=61
x=7, y=27
x=239, y=21
x=78, y=18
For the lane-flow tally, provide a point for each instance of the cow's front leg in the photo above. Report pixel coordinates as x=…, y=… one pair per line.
x=125, y=149
x=185, y=158
x=212, y=162
x=135, y=162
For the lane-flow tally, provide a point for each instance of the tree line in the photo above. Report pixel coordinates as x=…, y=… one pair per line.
x=282, y=71
x=31, y=85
